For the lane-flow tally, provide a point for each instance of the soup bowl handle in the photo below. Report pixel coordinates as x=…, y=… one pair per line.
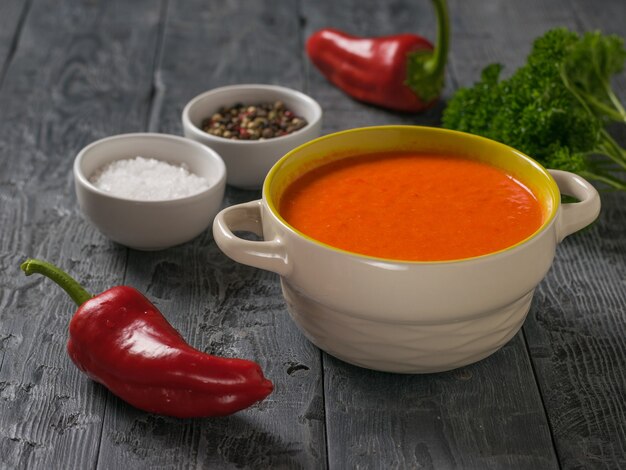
x=269, y=255
x=577, y=215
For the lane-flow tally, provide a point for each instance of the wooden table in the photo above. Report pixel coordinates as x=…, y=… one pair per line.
x=75, y=71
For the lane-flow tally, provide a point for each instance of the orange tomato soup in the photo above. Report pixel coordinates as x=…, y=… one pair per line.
x=411, y=207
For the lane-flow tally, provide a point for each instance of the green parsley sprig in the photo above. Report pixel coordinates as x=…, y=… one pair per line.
x=556, y=108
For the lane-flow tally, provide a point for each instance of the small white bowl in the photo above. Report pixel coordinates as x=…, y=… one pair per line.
x=150, y=225
x=248, y=161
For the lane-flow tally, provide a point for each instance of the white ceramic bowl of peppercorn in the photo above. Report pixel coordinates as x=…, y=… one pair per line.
x=149, y=191
x=251, y=127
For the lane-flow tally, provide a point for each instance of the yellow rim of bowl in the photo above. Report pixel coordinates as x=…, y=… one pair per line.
x=527, y=170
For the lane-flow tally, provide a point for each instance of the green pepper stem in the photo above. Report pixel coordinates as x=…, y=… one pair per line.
x=437, y=64
x=426, y=67
x=64, y=280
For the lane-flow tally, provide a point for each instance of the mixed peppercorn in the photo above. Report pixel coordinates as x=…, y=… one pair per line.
x=253, y=122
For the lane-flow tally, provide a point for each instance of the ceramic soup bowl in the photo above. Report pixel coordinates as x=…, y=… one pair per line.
x=405, y=316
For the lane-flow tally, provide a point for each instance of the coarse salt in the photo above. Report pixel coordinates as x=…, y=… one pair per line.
x=147, y=179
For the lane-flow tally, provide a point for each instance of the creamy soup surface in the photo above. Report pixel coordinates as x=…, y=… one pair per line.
x=412, y=207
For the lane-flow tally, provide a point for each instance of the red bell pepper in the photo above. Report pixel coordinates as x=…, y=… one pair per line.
x=120, y=339
x=403, y=72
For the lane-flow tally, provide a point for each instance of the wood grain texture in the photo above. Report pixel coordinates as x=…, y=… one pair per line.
x=76, y=75
x=577, y=332
x=218, y=305
x=487, y=415
x=12, y=13
x=576, y=338
x=501, y=31
x=586, y=415
x=72, y=71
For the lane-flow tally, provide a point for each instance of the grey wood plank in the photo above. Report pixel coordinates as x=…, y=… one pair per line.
x=488, y=415
x=577, y=334
x=576, y=339
x=12, y=14
x=81, y=70
x=487, y=32
x=220, y=306
x=575, y=329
